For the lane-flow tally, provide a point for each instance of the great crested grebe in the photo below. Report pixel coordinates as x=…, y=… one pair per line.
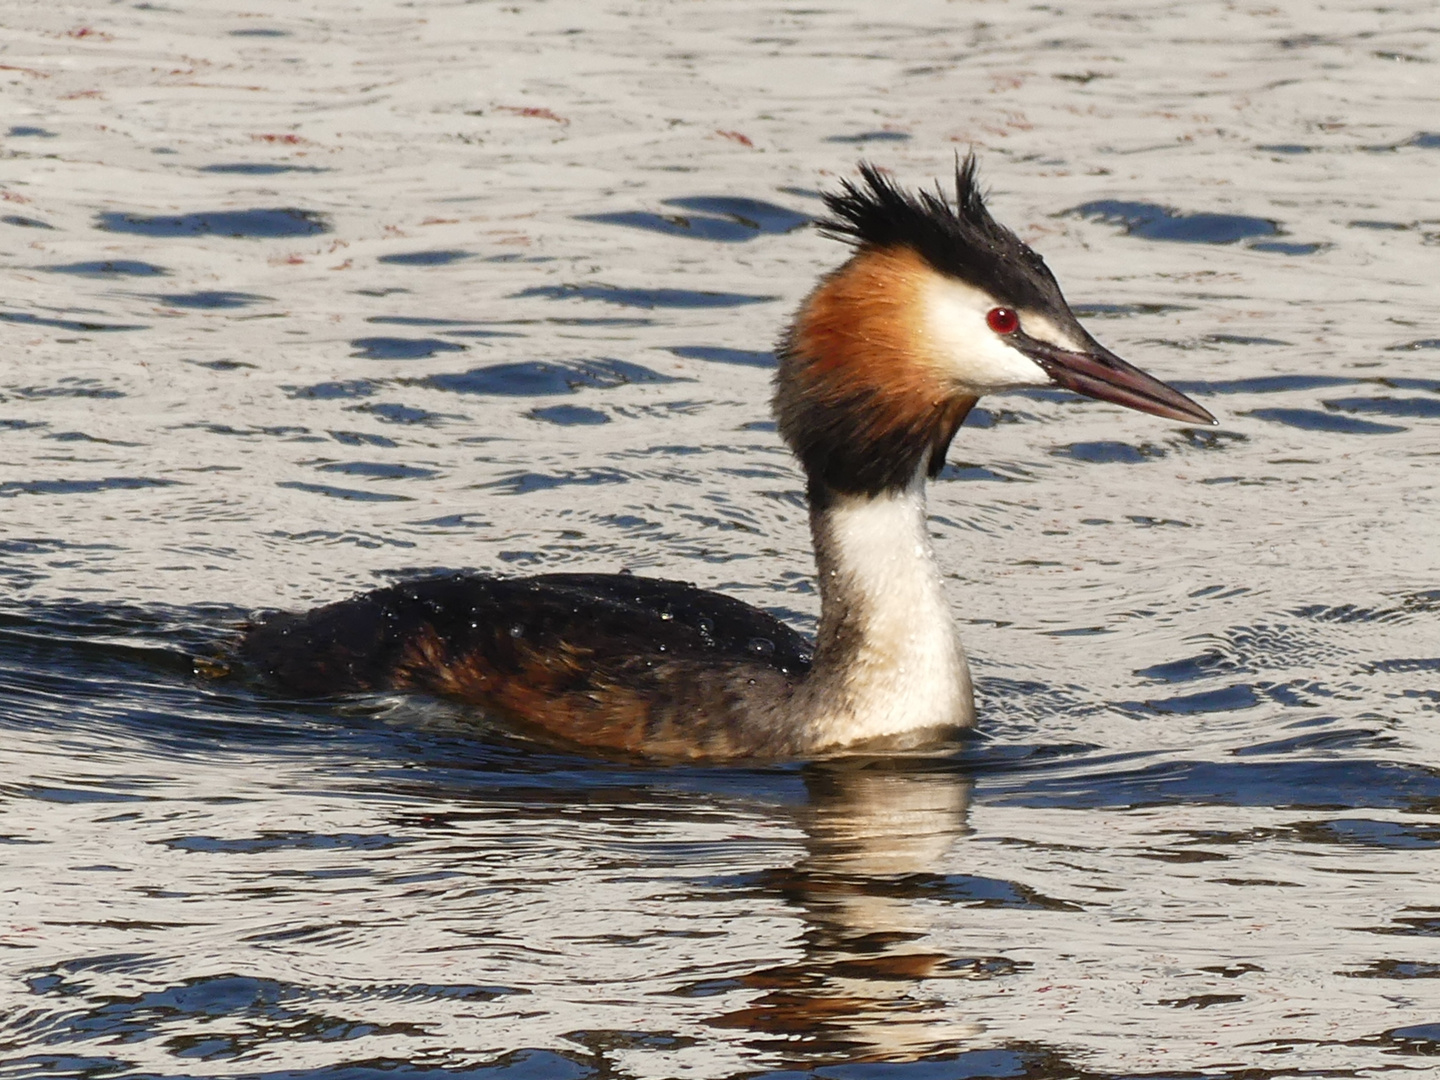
x=937, y=305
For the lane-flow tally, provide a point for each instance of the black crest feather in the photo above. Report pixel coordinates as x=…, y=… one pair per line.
x=961, y=240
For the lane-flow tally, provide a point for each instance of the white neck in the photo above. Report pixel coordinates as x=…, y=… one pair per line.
x=888, y=660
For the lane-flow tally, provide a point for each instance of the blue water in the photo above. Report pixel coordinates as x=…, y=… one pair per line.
x=302, y=303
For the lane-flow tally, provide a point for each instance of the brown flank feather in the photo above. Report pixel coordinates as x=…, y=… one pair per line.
x=637, y=665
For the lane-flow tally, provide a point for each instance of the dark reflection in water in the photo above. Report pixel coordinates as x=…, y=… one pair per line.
x=540, y=377
x=1387, y=406
x=396, y=348
x=1286, y=247
x=1298, y=783
x=1266, y=384
x=716, y=355
x=350, y=494
x=78, y=325
x=645, y=298
x=24, y=222
x=710, y=217
x=1120, y=311
x=569, y=415
x=264, y=223
x=526, y=483
x=869, y=137
x=873, y=834
x=1153, y=222
x=259, y=168
x=109, y=268
x=11, y=488
x=1316, y=420
x=391, y=412
x=1109, y=451
x=424, y=258
x=350, y=388
x=210, y=299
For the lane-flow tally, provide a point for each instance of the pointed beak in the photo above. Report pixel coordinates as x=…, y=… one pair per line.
x=1099, y=373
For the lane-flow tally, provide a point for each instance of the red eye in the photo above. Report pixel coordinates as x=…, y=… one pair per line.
x=1002, y=320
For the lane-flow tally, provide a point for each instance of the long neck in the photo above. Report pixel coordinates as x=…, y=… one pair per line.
x=888, y=660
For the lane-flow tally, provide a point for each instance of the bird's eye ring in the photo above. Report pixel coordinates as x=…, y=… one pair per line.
x=1002, y=320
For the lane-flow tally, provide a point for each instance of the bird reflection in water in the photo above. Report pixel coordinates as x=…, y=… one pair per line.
x=875, y=831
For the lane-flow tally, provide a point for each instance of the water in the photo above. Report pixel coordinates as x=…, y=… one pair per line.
x=302, y=299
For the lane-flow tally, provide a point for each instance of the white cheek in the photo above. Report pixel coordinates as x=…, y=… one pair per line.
x=965, y=347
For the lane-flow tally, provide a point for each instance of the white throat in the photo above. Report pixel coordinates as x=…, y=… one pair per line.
x=888, y=658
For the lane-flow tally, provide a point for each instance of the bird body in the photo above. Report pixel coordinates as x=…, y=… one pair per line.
x=937, y=305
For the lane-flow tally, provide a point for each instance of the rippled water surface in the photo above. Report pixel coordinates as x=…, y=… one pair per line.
x=300, y=298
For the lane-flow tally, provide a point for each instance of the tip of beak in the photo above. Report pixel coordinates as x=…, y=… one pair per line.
x=1192, y=413
x=1104, y=376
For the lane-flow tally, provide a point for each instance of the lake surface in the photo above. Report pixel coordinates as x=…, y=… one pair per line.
x=303, y=298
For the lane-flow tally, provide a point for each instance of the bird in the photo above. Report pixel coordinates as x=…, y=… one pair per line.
x=937, y=305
